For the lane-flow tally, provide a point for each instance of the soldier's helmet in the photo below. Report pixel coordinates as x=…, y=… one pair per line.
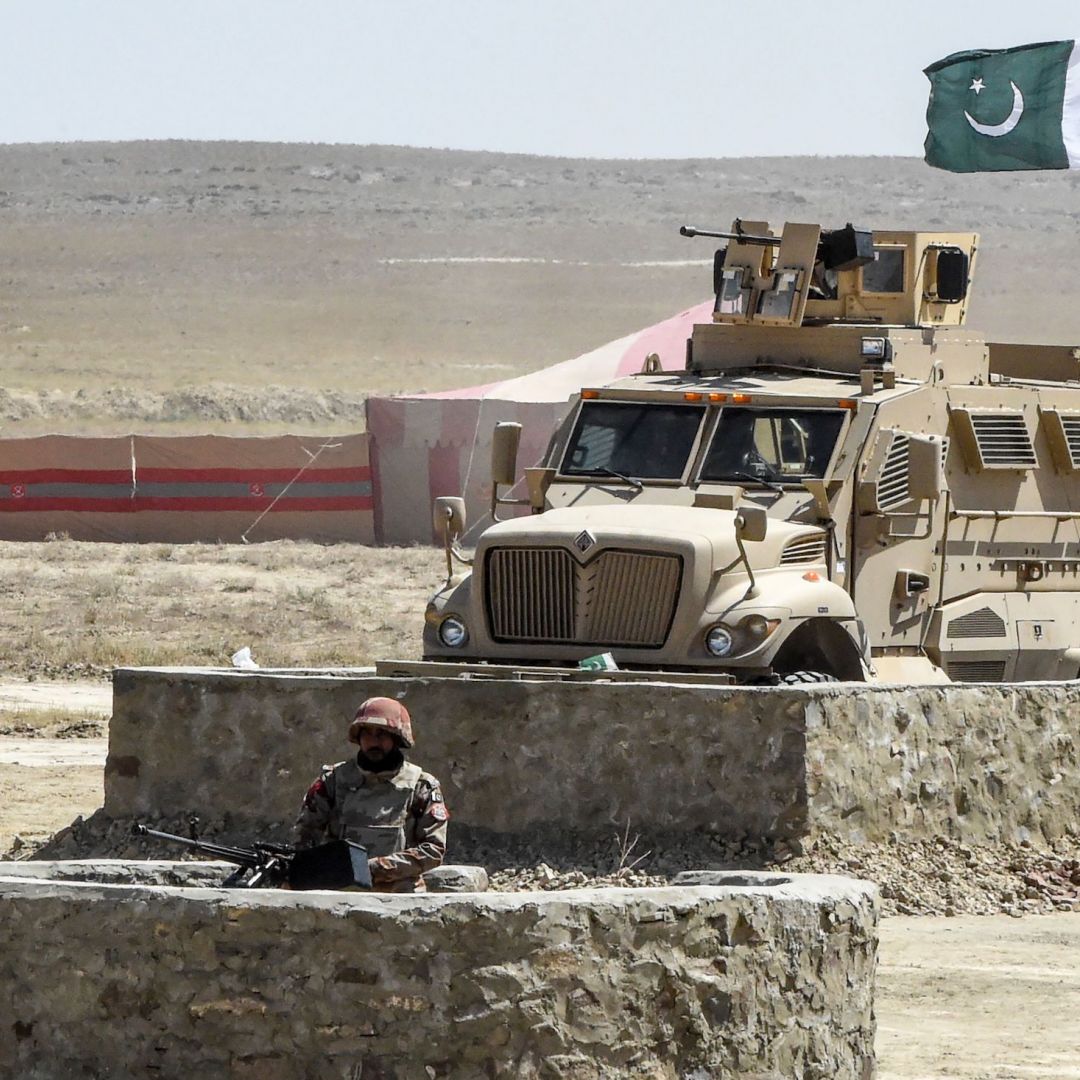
x=383, y=712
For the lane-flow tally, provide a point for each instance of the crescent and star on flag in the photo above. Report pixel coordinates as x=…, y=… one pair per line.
x=1010, y=121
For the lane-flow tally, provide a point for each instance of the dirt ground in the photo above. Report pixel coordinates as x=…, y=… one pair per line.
x=72, y=610
x=187, y=286
x=982, y=998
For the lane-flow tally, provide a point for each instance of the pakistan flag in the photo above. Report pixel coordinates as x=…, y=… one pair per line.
x=999, y=110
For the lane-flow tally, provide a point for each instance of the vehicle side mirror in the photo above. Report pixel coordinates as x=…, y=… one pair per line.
x=504, y=452
x=751, y=523
x=926, y=466
x=448, y=517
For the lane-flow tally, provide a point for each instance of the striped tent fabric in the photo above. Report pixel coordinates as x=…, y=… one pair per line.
x=227, y=489
x=188, y=488
x=66, y=485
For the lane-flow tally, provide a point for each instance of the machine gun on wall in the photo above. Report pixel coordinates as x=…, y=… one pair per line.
x=340, y=864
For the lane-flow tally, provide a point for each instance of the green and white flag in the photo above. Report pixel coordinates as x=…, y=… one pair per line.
x=1000, y=110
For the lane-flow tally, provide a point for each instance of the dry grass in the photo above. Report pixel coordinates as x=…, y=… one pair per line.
x=254, y=287
x=52, y=723
x=69, y=609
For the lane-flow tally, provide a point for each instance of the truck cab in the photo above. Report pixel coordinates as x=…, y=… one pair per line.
x=844, y=482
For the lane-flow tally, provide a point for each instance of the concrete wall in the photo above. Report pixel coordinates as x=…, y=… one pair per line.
x=773, y=979
x=982, y=763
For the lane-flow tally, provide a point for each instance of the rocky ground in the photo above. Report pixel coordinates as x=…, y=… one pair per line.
x=938, y=877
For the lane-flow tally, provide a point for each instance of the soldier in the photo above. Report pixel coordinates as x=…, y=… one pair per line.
x=380, y=800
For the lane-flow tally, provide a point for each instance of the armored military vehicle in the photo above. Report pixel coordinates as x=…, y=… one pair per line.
x=845, y=482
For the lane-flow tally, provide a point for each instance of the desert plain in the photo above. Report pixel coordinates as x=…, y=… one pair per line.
x=251, y=289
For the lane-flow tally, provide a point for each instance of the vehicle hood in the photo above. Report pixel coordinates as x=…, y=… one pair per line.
x=648, y=527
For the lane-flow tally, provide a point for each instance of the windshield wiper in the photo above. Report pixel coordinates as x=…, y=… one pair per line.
x=637, y=485
x=758, y=480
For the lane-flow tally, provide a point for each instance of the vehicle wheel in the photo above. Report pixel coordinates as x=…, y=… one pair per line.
x=801, y=678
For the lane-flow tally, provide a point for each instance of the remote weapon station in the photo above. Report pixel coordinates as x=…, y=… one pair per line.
x=845, y=482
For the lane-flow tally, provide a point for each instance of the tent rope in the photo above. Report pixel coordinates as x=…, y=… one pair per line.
x=468, y=467
x=483, y=519
x=312, y=458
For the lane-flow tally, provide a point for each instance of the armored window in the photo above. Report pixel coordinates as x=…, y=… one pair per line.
x=733, y=295
x=772, y=445
x=994, y=439
x=779, y=301
x=886, y=273
x=643, y=440
x=1063, y=434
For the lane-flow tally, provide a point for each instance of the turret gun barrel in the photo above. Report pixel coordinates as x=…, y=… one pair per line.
x=739, y=235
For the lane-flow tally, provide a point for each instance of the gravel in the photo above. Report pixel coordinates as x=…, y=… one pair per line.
x=941, y=876
x=934, y=877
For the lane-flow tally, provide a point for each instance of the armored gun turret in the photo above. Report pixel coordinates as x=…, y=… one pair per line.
x=845, y=482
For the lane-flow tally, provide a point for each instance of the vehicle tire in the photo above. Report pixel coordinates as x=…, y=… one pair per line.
x=763, y=680
x=801, y=678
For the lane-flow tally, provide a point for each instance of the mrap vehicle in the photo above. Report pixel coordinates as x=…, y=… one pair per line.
x=845, y=482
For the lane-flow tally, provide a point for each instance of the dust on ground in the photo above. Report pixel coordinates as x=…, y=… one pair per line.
x=71, y=610
x=53, y=743
x=35, y=699
x=215, y=286
x=973, y=998
x=39, y=800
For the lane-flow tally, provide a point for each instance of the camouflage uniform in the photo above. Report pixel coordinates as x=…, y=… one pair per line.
x=398, y=815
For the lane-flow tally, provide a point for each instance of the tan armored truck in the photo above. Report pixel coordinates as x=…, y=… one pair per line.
x=844, y=483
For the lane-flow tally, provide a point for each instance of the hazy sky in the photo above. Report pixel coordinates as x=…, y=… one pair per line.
x=671, y=78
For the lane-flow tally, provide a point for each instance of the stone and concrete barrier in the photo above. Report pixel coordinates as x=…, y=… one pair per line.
x=758, y=975
x=866, y=763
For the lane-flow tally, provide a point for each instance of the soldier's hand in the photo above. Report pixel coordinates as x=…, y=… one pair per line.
x=380, y=868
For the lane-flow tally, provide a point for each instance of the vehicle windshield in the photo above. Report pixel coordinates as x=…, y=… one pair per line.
x=640, y=440
x=774, y=446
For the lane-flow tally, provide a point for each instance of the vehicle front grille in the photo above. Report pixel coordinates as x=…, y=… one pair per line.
x=537, y=595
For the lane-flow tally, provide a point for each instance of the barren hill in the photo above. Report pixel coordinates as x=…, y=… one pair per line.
x=206, y=286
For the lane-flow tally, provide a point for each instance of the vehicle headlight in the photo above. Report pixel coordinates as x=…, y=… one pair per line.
x=718, y=641
x=453, y=632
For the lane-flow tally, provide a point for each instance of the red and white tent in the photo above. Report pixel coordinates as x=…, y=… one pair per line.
x=428, y=445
